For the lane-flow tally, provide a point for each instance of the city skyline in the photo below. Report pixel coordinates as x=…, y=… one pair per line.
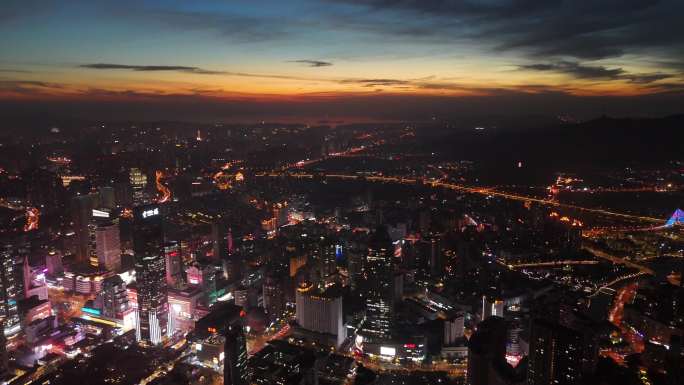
x=341, y=192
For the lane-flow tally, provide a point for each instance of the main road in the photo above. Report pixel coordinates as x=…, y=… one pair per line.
x=466, y=189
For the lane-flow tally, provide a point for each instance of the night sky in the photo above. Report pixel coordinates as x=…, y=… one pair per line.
x=342, y=59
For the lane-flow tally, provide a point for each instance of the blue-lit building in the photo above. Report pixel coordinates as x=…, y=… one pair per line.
x=11, y=290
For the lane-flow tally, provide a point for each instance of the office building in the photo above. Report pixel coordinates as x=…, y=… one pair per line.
x=320, y=310
x=138, y=182
x=454, y=328
x=491, y=307
x=11, y=290
x=274, y=297
x=380, y=291
x=108, y=245
x=174, y=264
x=183, y=305
x=150, y=269
x=114, y=298
x=53, y=263
x=4, y=356
x=81, y=214
x=558, y=354
x=235, y=356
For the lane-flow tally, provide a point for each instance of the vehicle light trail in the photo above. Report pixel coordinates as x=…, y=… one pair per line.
x=32, y=219
x=164, y=190
x=467, y=189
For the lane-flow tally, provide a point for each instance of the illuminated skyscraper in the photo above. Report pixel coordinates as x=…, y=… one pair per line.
x=380, y=294
x=11, y=290
x=320, y=310
x=150, y=269
x=138, y=181
x=235, y=356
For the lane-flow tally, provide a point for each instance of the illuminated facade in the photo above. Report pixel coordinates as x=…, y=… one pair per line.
x=174, y=264
x=114, y=298
x=10, y=291
x=150, y=269
x=319, y=311
x=138, y=181
x=379, y=297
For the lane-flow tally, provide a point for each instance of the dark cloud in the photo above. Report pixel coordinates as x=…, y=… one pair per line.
x=577, y=70
x=107, y=105
x=541, y=28
x=29, y=87
x=376, y=82
x=581, y=71
x=150, y=68
x=313, y=63
x=648, y=78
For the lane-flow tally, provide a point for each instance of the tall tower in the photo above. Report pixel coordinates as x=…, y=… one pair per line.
x=11, y=290
x=81, y=215
x=150, y=270
x=380, y=294
x=235, y=359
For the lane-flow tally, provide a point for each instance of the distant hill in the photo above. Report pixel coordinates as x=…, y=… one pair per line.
x=595, y=144
x=603, y=140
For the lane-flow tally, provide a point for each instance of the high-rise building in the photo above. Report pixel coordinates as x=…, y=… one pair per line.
x=320, y=311
x=11, y=290
x=53, y=263
x=274, y=297
x=138, y=181
x=108, y=245
x=235, y=356
x=4, y=357
x=204, y=275
x=218, y=236
x=107, y=197
x=558, y=354
x=436, y=263
x=81, y=214
x=380, y=293
x=487, y=353
x=150, y=270
x=174, y=264
x=114, y=297
x=491, y=307
x=454, y=328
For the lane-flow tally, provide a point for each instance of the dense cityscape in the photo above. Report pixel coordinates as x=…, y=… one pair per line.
x=341, y=192
x=292, y=254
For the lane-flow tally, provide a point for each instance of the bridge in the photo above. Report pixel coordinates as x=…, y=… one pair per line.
x=552, y=264
x=465, y=189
